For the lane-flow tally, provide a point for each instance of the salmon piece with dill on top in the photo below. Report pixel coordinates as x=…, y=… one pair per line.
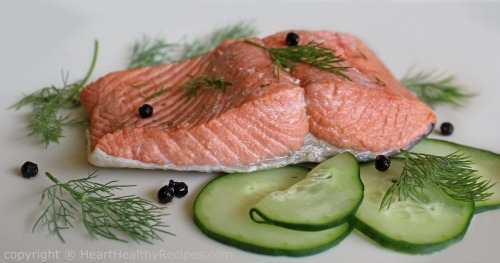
x=255, y=119
x=373, y=112
x=258, y=120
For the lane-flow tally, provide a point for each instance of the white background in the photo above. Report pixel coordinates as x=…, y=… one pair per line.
x=38, y=39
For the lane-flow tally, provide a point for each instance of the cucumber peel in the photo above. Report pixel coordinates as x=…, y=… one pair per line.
x=293, y=211
x=409, y=226
x=221, y=212
x=327, y=197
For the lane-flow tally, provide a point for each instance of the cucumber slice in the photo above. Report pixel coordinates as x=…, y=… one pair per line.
x=221, y=212
x=485, y=162
x=327, y=197
x=409, y=226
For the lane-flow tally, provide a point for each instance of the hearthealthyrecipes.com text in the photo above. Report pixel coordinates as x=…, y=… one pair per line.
x=111, y=254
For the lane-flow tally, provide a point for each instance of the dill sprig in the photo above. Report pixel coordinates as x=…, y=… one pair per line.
x=314, y=54
x=103, y=213
x=435, y=89
x=192, y=87
x=152, y=52
x=451, y=174
x=200, y=46
x=158, y=91
x=47, y=102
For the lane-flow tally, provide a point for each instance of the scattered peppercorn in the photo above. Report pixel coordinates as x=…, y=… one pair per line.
x=166, y=194
x=446, y=128
x=382, y=163
x=29, y=169
x=146, y=111
x=180, y=189
x=292, y=39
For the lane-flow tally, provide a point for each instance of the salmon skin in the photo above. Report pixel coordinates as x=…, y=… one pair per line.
x=260, y=121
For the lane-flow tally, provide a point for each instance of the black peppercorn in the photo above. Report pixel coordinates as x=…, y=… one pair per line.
x=29, y=169
x=180, y=188
x=446, y=128
x=146, y=111
x=382, y=163
x=165, y=194
x=292, y=39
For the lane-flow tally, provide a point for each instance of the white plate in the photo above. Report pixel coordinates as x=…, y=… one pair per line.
x=39, y=39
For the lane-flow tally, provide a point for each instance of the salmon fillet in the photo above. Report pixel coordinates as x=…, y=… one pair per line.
x=260, y=121
x=373, y=112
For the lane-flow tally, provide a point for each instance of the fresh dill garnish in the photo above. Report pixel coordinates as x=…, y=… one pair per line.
x=360, y=55
x=204, y=82
x=451, y=174
x=103, y=213
x=379, y=81
x=46, y=103
x=199, y=46
x=314, y=54
x=158, y=91
x=152, y=52
x=168, y=123
x=434, y=89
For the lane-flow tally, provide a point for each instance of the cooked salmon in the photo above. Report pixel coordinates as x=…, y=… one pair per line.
x=260, y=121
x=373, y=112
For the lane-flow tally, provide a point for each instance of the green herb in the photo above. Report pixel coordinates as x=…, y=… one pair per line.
x=451, y=174
x=168, y=123
x=204, y=82
x=360, y=55
x=434, y=89
x=158, y=92
x=152, y=52
x=200, y=47
x=314, y=54
x=47, y=102
x=103, y=213
x=379, y=81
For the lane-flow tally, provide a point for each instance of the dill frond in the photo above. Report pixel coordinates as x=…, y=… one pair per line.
x=152, y=52
x=158, y=91
x=46, y=103
x=204, y=82
x=434, y=89
x=103, y=213
x=451, y=174
x=314, y=54
x=200, y=46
